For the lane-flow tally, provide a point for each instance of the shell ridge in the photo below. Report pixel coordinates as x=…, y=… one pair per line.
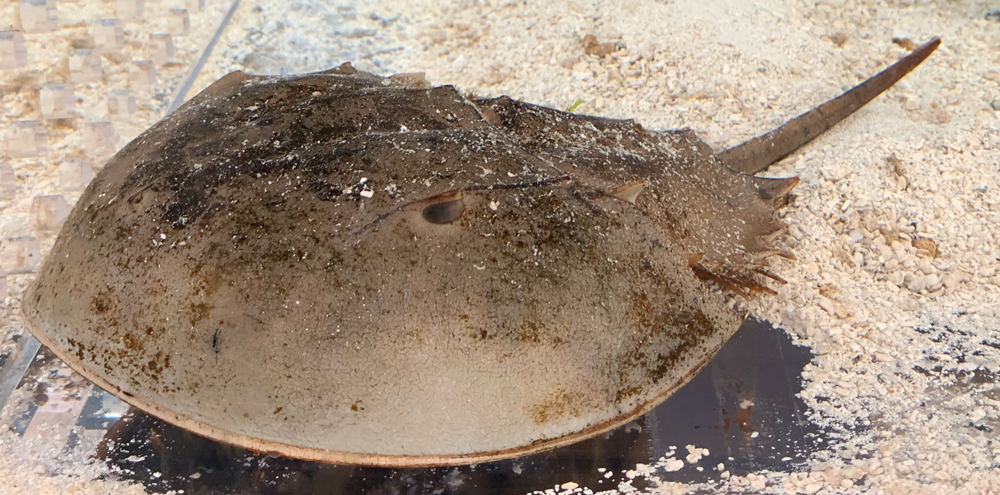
x=556, y=181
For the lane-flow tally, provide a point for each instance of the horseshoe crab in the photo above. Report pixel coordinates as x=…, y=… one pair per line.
x=355, y=269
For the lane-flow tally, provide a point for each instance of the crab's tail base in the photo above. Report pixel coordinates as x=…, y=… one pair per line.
x=761, y=152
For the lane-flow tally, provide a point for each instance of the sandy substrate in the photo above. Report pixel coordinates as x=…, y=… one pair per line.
x=897, y=217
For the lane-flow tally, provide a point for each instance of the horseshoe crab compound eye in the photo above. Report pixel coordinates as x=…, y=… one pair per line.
x=444, y=212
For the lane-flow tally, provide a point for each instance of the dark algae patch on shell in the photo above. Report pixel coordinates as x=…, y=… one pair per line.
x=349, y=268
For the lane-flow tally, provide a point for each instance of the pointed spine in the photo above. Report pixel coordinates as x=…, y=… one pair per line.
x=761, y=152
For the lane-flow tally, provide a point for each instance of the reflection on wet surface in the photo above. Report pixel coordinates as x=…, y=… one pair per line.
x=742, y=408
x=164, y=457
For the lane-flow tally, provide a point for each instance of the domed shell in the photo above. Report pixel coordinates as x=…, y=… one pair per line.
x=347, y=268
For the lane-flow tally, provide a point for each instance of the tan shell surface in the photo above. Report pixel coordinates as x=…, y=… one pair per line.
x=341, y=267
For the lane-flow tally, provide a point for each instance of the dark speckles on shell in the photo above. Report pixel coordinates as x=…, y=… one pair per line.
x=409, y=275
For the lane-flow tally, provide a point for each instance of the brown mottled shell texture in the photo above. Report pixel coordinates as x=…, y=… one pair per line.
x=356, y=269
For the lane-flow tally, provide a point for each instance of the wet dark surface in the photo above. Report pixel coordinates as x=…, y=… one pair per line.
x=742, y=408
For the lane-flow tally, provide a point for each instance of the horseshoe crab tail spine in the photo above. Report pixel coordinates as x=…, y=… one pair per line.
x=760, y=152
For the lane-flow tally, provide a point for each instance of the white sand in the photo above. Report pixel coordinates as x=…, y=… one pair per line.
x=870, y=304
